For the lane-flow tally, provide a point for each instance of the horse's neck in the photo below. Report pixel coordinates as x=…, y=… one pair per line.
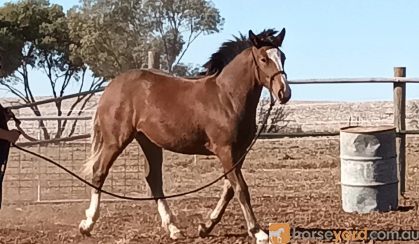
x=238, y=82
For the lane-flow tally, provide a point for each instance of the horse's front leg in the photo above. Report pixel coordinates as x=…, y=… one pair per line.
x=228, y=159
x=154, y=178
x=242, y=194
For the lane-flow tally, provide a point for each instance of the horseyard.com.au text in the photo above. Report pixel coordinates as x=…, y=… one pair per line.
x=282, y=233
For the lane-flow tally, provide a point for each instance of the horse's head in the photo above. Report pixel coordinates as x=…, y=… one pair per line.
x=269, y=61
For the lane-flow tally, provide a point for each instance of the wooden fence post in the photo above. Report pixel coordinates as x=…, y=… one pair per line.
x=399, y=94
x=153, y=60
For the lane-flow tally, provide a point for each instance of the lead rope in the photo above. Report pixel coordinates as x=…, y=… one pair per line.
x=99, y=189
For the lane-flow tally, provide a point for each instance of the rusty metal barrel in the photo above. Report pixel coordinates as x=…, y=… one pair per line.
x=369, y=178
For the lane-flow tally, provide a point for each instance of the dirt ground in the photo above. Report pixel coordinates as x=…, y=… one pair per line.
x=292, y=181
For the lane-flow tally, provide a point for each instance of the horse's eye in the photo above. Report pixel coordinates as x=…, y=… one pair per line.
x=263, y=60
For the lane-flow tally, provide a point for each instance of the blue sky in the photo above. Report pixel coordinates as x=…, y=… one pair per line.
x=325, y=39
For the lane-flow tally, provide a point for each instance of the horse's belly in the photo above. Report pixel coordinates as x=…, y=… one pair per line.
x=187, y=148
x=179, y=140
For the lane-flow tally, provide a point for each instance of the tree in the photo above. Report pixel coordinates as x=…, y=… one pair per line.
x=115, y=35
x=40, y=36
x=112, y=35
x=190, y=70
x=10, y=46
x=173, y=20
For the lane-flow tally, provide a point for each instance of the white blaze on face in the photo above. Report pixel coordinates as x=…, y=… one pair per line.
x=275, y=56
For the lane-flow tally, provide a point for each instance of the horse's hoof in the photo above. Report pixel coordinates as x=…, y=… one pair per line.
x=85, y=228
x=261, y=237
x=202, y=231
x=175, y=233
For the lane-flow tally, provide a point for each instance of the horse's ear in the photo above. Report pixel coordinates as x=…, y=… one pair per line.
x=280, y=38
x=254, y=39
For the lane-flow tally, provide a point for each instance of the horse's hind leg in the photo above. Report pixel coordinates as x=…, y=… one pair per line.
x=104, y=153
x=100, y=171
x=154, y=178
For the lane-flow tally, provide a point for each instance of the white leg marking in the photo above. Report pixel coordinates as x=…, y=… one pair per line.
x=216, y=212
x=247, y=211
x=164, y=212
x=166, y=219
x=261, y=237
x=92, y=214
x=247, y=217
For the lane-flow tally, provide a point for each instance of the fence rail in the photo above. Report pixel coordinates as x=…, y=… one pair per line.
x=51, y=100
x=266, y=135
x=293, y=82
x=354, y=80
x=36, y=118
x=262, y=136
x=56, y=140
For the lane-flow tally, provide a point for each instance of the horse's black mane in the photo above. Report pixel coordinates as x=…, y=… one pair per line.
x=232, y=48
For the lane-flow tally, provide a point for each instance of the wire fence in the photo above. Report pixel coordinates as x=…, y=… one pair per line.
x=30, y=179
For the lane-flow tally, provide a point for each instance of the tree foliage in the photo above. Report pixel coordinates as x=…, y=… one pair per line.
x=112, y=35
x=178, y=23
x=35, y=36
x=115, y=35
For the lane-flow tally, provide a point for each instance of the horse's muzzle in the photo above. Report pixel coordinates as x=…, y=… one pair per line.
x=284, y=95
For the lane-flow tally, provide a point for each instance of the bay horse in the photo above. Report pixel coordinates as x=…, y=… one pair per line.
x=213, y=115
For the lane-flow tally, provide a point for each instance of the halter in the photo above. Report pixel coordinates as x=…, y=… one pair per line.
x=271, y=78
x=281, y=72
